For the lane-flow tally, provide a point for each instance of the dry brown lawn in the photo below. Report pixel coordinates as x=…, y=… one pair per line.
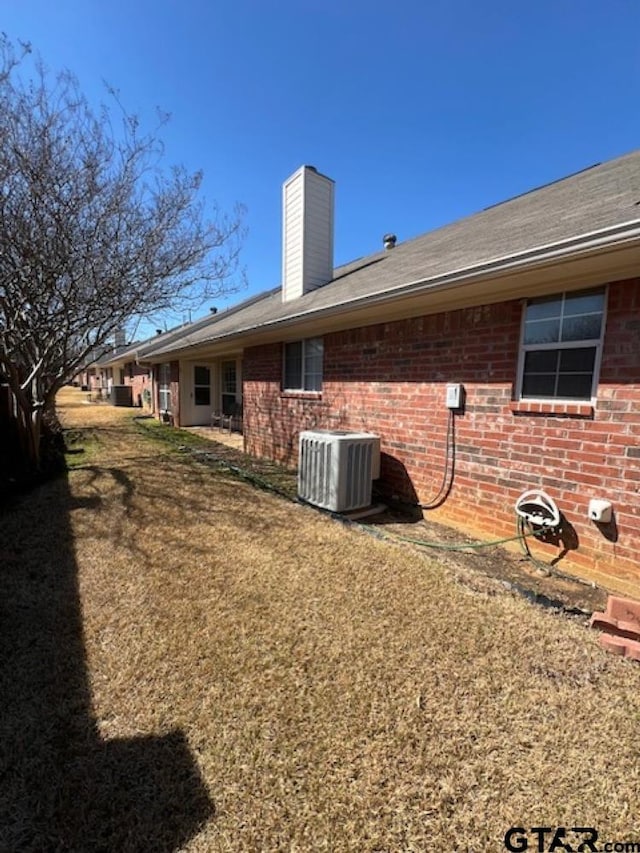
x=193, y=664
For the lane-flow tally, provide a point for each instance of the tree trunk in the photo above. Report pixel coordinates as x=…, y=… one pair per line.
x=30, y=434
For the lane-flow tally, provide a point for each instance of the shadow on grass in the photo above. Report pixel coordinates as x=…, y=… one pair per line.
x=62, y=787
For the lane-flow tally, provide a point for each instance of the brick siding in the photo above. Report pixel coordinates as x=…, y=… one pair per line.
x=390, y=379
x=139, y=378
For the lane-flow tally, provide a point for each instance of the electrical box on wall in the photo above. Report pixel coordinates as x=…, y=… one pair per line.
x=455, y=396
x=600, y=511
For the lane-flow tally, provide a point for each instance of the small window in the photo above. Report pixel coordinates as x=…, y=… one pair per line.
x=561, y=345
x=201, y=385
x=303, y=365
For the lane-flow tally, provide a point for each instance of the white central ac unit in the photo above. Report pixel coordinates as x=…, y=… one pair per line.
x=336, y=468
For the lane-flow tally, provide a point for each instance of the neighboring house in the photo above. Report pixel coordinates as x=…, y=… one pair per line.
x=97, y=378
x=194, y=389
x=87, y=376
x=98, y=375
x=125, y=370
x=533, y=305
x=153, y=388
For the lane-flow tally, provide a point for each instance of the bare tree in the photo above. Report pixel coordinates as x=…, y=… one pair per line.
x=93, y=232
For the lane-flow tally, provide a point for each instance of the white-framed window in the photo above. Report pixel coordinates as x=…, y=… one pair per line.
x=164, y=388
x=303, y=365
x=228, y=386
x=561, y=346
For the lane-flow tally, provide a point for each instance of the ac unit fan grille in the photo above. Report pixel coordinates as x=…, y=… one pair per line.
x=315, y=472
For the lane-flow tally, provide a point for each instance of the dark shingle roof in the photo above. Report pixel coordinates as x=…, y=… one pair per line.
x=137, y=349
x=602, y=196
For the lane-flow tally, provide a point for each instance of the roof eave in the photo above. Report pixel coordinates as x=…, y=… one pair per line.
x=560, y=255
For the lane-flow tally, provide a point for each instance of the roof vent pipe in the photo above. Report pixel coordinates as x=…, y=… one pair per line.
x=389, y=241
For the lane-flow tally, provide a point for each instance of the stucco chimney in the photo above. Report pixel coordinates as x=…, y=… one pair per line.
x=307, y=241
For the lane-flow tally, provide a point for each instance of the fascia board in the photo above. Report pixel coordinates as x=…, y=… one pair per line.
x=518, y=270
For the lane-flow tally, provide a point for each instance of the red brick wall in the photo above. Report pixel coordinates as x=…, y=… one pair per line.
x=390, y=379
x=140, y=380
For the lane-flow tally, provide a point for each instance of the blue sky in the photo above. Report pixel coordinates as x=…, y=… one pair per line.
x=422, y=112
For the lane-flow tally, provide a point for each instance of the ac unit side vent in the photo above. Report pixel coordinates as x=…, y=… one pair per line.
x=336, y=469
